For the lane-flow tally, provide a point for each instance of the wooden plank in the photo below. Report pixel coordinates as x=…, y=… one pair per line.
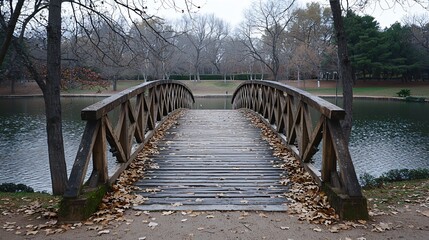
x=77, y=175
x=163, y=207
x=218, y=158
x=99, y=109
x=326, y=108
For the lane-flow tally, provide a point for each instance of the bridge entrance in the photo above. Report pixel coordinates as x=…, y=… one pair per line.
x=213, y=160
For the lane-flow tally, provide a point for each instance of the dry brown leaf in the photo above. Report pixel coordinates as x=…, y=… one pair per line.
x=152, y=225
x=166, y=213
x=425, y=213
x=106, y=231
x=31, y=233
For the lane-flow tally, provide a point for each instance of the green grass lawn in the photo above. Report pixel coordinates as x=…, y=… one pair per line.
x=416, y=91
x=121, y=85
x=19, y=199
x=220, y=87
x=210, y=87
x=398, y=193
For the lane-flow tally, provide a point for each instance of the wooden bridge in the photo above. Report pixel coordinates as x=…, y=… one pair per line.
x=212, y=159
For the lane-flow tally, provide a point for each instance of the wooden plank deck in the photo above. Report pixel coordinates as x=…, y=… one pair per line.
x=213, y=160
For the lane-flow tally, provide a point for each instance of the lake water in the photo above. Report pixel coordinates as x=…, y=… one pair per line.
x=386, y=135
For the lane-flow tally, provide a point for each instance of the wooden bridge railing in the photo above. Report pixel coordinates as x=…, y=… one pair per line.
x=141, y=110
x=288, y=111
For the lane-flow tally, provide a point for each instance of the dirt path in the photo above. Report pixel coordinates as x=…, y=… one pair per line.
x=408, y=222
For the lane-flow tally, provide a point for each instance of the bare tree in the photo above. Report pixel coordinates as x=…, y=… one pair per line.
x=202, y=31
x=8, y=26
x=233, y=58
x=268, y=19
x=215, y=50
x=419, y=25
x=310, y=38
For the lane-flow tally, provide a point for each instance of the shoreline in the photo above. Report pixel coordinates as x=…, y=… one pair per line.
x=105, y=95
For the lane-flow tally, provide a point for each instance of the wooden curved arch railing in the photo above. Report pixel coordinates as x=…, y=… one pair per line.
x=141, y=109
x=288, y=111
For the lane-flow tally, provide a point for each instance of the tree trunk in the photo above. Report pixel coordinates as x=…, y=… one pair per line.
x=345, y=67
x=51, y=95
x=10, y=30
x=115, y=83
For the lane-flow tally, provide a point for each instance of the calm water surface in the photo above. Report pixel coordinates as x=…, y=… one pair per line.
x=386, y=135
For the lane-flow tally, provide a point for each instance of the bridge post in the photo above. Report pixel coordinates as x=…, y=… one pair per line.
x=347, y=207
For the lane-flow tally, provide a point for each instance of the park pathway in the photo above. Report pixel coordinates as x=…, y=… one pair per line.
x=213, y=160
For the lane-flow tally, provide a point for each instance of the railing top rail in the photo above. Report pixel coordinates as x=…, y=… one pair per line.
x=326, y=108
x=97, y=110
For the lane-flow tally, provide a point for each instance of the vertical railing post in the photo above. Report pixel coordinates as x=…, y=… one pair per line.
x=124, y=135
x=328, y=154
x=99, y=154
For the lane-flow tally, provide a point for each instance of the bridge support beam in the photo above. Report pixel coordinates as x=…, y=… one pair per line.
x=78, y=209
x=347, y=207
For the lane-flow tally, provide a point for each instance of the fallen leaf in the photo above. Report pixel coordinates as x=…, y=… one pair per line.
x=166, y=213
x=152, y=225
x=106, y=231
x=362, y=221
x=209, y=216
x=263, y=215
x=284, y=228
x=184, y=220
x=317, y=229
x=31, y=233
x=425, y=213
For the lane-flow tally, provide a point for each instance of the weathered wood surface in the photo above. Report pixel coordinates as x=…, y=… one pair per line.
x=288, y=111
x=213, y=160
x=141, y=110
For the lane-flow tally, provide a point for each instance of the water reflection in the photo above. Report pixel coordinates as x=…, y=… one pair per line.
x=23, y=150
x=389, y=135
x=386, y=135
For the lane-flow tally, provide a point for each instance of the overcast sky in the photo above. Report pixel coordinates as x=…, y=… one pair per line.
x=232, y=10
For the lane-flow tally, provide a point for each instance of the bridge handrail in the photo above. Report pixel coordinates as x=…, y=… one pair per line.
x=142, y=109
x=286, y=109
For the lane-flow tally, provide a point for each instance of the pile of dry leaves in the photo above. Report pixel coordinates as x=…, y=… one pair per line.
x=304, y=196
